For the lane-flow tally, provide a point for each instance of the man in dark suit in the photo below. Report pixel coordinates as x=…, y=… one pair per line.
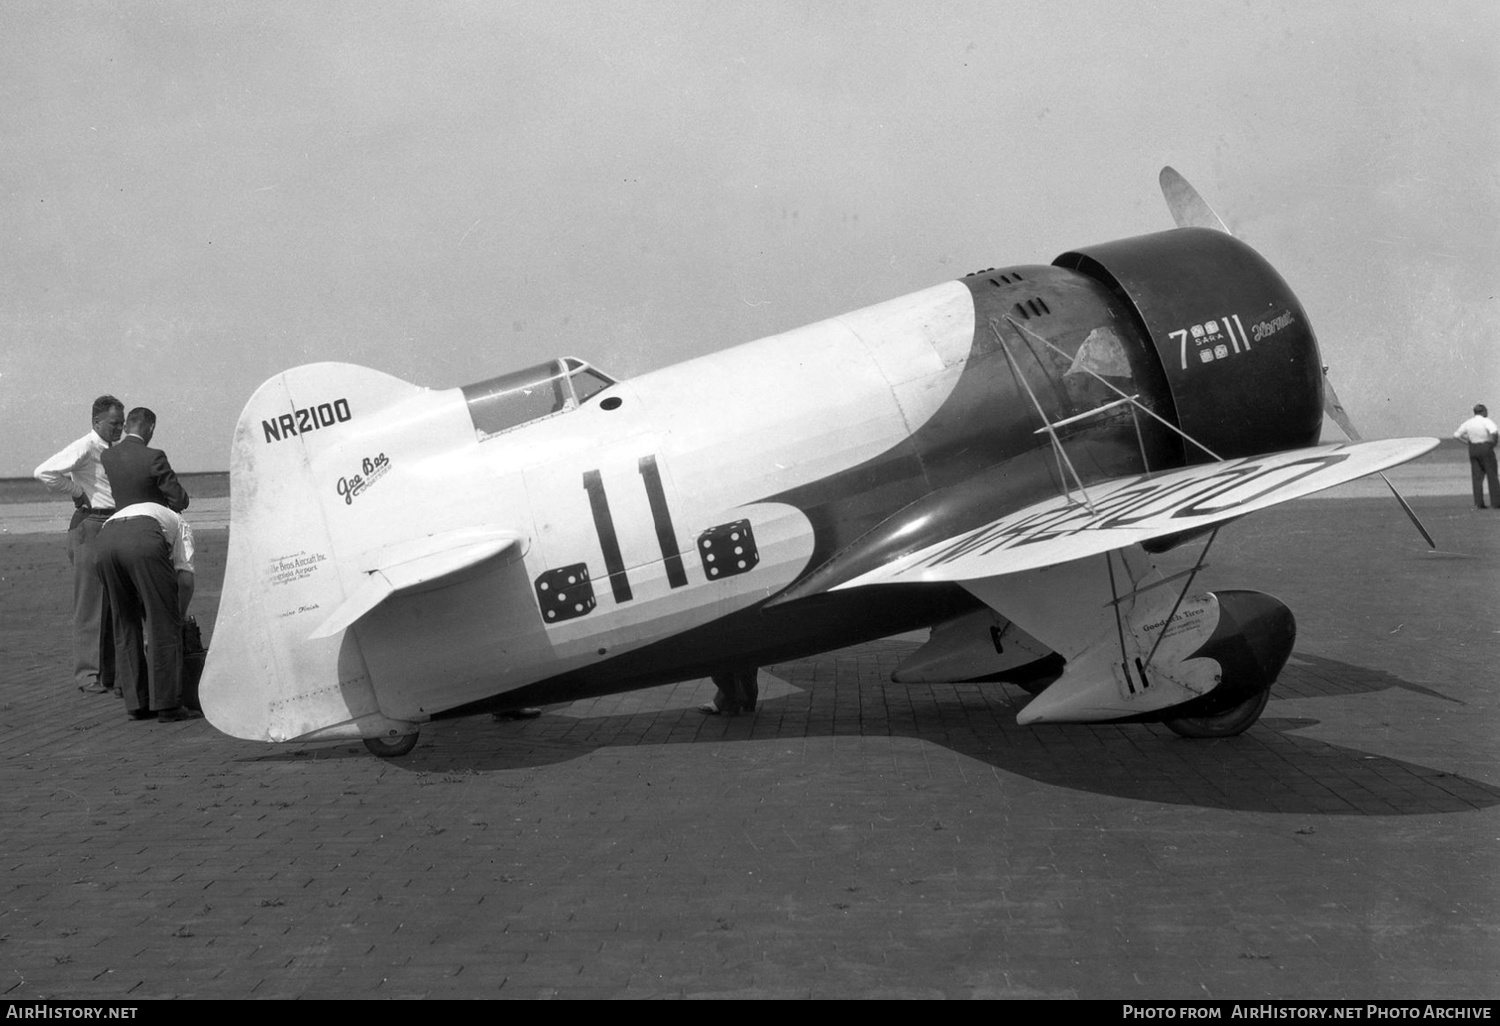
x=136, y=564
x=138, y=473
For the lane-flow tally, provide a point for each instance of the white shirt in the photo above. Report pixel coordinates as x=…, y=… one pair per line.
x=78, y=471
x=177, y=531
x=1477, y=430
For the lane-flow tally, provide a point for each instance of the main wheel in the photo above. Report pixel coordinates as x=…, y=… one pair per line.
x=392, y=748
x=1225, y=724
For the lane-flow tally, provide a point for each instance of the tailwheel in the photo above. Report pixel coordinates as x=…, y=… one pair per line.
x=1231, y=721
x=392, y=748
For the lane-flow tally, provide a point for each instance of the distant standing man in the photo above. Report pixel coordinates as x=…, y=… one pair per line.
x=1482, y=433
x=77, y=470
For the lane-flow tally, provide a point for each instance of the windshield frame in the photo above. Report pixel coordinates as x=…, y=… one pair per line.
x=501, y=404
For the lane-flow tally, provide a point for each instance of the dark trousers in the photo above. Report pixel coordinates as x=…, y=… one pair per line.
x=739, y=691
x=135, y=563
x=1482, y=467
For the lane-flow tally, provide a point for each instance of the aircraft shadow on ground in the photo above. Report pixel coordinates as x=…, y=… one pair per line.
x=1269, y=768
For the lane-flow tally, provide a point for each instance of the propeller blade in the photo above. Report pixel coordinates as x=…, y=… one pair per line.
x=1412, y=516
x=1189, y=209
x=1340, y=416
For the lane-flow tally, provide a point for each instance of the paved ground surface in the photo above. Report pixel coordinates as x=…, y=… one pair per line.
x=854, y=838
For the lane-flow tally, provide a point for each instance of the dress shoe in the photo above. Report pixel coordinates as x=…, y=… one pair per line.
x=176, y=713
x=93, y=687
x=142, y=714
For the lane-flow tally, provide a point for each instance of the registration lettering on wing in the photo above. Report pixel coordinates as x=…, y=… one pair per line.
x=1132, y=510
x=1173, y=501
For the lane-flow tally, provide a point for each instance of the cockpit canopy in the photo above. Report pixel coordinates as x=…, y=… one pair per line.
x=522, y=396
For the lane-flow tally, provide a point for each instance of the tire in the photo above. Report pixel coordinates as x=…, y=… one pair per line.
x=392, y=748
x=1225, y=724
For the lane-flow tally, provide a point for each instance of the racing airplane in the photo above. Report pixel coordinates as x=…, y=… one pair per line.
x=997, y=458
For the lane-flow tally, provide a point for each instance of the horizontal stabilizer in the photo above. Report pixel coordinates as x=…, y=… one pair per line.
x=412, y=564
x=1132, y=510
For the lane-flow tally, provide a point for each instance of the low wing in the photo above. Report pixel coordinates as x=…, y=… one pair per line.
x=1130, y=511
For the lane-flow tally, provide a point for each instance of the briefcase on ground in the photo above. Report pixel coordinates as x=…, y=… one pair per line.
x=193, y=655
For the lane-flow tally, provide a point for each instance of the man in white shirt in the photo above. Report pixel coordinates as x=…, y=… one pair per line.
x=1482, y=433
x=145, y=556
x=78, y=472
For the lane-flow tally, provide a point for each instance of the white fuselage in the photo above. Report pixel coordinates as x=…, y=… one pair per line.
x=627, y=487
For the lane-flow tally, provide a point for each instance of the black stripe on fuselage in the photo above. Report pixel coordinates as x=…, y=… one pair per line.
x=661, y=516
x=609, y=543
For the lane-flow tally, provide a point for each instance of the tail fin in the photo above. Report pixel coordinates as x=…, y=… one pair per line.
x=266, y=678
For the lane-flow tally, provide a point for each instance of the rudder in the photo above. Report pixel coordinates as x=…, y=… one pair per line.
x=266, y=678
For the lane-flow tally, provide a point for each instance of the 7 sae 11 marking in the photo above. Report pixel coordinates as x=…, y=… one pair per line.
x=1231, y=327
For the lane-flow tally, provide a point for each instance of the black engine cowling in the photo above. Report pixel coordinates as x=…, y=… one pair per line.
x=1235, y=344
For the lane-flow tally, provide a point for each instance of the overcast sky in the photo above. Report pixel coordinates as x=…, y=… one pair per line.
x=199, y=195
